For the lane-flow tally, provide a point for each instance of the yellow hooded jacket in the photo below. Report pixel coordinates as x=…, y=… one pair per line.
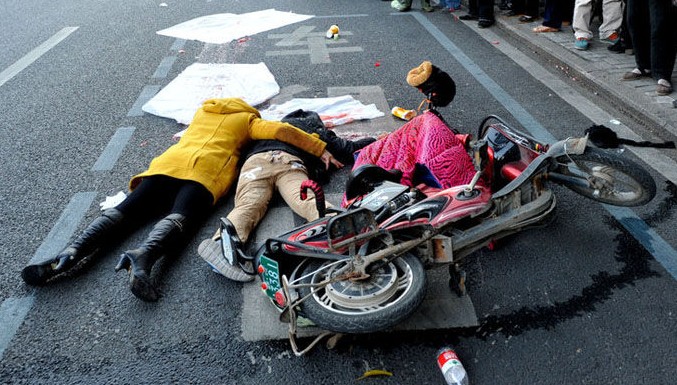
x=209, y=150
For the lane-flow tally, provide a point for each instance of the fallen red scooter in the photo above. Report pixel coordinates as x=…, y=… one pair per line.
x=363, y=269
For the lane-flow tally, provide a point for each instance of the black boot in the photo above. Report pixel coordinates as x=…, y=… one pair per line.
x=139, y=262
x=83, y=247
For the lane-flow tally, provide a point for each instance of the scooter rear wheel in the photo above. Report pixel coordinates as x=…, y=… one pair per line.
x=391, y=294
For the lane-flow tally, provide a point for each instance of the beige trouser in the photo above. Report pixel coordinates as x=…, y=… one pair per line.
x=261, y=174
x=612, y=14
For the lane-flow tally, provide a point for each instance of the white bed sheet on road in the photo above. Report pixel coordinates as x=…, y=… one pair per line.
x=333, y=111
x=225, y=27
x=181, y=98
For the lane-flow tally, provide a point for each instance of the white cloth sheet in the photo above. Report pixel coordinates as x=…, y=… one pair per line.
x=225, y=27
x=182, y=97
x=333, y=111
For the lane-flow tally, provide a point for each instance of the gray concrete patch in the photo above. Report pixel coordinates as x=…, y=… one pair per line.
x=441, y=309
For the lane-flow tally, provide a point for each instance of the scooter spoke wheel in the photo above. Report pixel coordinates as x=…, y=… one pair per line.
x=390, y=294
x=612, y=179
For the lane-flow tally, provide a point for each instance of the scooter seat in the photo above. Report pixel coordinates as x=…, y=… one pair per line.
x=367, y=177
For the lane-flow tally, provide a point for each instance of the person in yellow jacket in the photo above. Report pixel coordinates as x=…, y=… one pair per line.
x=184, y=181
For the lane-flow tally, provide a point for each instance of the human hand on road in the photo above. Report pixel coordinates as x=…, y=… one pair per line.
x=327, y=158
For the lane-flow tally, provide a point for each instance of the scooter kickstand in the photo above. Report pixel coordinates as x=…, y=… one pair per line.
x=457, y=278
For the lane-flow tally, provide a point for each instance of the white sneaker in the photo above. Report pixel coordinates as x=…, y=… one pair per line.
x=210, y=250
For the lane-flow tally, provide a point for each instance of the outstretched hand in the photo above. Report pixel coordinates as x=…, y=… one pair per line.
x=327, y=158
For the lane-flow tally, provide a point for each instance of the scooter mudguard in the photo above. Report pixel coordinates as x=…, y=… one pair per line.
x=442, y=207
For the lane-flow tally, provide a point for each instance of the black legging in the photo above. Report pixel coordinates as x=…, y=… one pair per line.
x=651, y=26
x=163, y=195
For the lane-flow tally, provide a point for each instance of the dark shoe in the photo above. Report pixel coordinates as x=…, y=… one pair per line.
x=664, y=87
x=485, y=23
x=468, y=17
x=82, y=249
x=526, y=19
x=425, y=6
x=618, y=47
x=636, y=74
x=165, y=236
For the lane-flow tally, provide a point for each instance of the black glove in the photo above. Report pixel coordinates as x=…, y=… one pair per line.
x=604, y=137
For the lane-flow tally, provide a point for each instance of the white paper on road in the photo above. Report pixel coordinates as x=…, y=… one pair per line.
x=225, y=27
x=182, y=97
x=333, y=111
x=112, y=201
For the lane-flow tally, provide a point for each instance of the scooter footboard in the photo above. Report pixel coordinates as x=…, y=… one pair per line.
x=465, y=242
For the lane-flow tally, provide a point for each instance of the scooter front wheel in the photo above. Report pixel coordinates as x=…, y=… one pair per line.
x=392, y=292
x=609, y=178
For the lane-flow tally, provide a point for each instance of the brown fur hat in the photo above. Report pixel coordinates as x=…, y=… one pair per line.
x=433, y=82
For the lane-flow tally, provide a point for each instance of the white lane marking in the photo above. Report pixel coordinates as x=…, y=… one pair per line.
x=34, y=55
x=112, y=152
x=164, y=67
x=178, y=45
x=147, y=94
x=13, y=311
x=65, y=227
x=661, y=250
x=12, y=314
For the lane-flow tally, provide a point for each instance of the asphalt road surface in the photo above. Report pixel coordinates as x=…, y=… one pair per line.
x=588, y=299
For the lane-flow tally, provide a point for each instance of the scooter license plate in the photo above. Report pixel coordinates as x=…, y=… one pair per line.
x=270, y=276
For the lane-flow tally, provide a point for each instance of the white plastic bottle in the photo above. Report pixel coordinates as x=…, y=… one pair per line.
x=452, y=368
